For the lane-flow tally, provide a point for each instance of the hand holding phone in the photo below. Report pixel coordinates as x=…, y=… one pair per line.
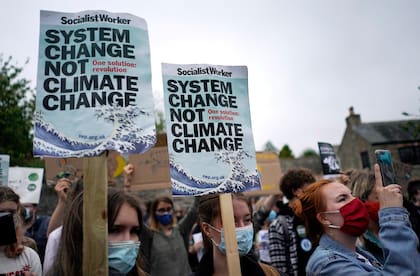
x=7, y=229
x=384, y=160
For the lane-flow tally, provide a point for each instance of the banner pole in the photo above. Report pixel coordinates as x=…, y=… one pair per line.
x=95, y=218
x=229, y=234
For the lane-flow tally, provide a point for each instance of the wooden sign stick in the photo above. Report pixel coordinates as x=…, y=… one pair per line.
x=95, y=217
x=229, y=234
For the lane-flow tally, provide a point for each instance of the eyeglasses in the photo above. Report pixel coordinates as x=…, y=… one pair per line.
x=164, y=210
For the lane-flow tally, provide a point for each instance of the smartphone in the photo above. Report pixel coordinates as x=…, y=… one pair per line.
x=7, y=229
x=383, y=158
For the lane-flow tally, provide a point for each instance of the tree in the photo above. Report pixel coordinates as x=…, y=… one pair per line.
x=17, y=105
x=160, y=122
x=270, y=147
x=286, y=152
x=309, y=153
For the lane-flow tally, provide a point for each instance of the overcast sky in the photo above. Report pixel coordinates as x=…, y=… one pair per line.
x=308, y=61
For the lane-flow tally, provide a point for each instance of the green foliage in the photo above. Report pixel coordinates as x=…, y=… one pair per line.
x=160, y=122
x=270, y=147
x=286, y=152
x=309, y=153
x=17, y=105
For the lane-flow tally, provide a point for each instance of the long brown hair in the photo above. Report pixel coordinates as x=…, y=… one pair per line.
x=209, y=209
x=310, y=202
x=69, y=261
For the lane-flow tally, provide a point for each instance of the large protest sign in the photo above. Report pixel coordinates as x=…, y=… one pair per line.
x=4, y=168
x=329, y=161
x=94, y=85
x=27, y=183
x=210, y=143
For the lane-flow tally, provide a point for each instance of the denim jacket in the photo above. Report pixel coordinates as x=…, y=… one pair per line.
x=400, y=251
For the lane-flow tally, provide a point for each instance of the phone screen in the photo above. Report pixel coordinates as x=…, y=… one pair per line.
x=7, y=228
x=383, y=158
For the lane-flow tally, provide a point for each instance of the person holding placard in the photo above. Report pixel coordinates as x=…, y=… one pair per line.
x=214, y=260
x=124, y=226
x=335, y=218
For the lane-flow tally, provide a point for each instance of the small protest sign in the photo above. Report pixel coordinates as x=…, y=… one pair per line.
x=330, y=164
x=74, y=167
x=210, y=143
x=268, y=165
x=27, y=183
x=4, y=169
x=94, y=85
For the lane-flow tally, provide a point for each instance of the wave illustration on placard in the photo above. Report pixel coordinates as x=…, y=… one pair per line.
x=239, y=179
x=125, y=137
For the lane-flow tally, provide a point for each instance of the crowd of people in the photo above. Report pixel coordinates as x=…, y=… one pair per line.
x=349, y=225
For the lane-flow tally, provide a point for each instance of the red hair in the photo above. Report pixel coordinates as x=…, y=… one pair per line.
x=311, y=202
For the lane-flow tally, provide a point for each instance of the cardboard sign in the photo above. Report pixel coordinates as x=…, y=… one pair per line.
x=268, y=164
x=54, y=166
x=151, y=169
x=27, y=183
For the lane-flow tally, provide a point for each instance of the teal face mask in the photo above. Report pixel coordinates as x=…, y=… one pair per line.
x=244, y=238
x=122, y=255
x=272, y=216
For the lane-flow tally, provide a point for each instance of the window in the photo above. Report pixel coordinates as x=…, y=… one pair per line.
x=365, y=159
x=410, y=155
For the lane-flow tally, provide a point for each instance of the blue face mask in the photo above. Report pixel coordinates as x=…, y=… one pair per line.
x=244, y=238
x=122, y=255
x=272, y=215
x=164, y=219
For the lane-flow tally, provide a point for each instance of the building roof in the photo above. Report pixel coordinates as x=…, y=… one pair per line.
x=389, y=132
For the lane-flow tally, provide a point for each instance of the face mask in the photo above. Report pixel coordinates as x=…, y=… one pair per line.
x=244, y=238
x=356, y=218
x=122, y=255
x=164, y=219
x=372, y=208
x=272, y=216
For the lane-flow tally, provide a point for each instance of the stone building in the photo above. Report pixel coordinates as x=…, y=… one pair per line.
x=360, y=140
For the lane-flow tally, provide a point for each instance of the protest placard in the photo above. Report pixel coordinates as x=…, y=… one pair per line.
x=151, y=170
x=93, y=95
x=268, y=165
x=54, y=166
x=27, y=183
x=329, y=161
x=4, y=168
x=210, y=143
x=94, y=85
